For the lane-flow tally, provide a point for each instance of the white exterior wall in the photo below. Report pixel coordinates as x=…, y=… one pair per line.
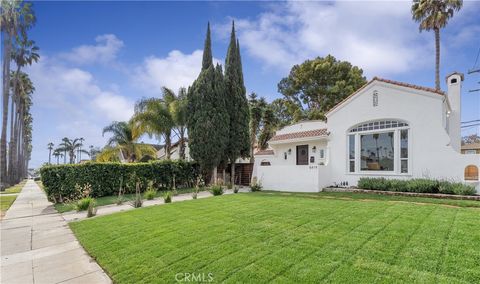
x=285, y=175
x=431, y=154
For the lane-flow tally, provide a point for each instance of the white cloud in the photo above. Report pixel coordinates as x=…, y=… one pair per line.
x=113, y=107
x=173, y=71
x=105, y=50
x=380, y=37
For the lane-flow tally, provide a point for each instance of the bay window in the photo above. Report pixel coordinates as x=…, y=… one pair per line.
x=379, y=146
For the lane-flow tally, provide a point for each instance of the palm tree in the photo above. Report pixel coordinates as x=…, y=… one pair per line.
x=57, y=154
x=434, y=15
x=177, y=106
x=65, y=140
x=16, y=18
x=50, y=148
x=71, y=146
x=124, y=141
x=152, y=116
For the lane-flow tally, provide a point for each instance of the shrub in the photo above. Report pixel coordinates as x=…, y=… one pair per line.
x=92, y=210
x=137, y=202
x=84, y=203
x=419, y=185
x=235, y=190
x=194, y=195
x=105, y=178
x=150, y=194
x=216, y=190
x=167, y=197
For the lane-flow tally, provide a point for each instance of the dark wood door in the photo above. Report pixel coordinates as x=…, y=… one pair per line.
x=302, y=155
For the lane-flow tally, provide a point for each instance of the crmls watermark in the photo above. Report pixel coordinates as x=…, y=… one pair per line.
x=194, y=277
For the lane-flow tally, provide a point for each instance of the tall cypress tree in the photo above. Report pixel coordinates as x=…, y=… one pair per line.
x=208, y=118
x=237, y=105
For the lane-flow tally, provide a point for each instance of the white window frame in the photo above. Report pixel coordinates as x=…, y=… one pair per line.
x=396, y=149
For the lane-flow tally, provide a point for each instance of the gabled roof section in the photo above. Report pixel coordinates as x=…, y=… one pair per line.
x=392, y=82
x=300, y=134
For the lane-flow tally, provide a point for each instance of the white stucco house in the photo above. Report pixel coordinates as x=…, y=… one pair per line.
x=385, y=129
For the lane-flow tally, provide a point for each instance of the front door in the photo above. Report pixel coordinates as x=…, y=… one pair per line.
x=302, y=155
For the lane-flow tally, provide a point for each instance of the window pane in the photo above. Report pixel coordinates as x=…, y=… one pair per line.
x=322, y=153
x=351, y=143
x=404, y=166
x=352, y=166
x=377, y=153
x=404, y=143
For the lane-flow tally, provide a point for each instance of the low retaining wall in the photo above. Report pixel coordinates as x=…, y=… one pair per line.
x=414, y=194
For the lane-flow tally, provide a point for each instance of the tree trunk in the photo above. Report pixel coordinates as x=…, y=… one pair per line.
x=437, y=58
x=232, y=173
x=5, y=95
x=181, y=150
x=168, y=144
x=214, y=176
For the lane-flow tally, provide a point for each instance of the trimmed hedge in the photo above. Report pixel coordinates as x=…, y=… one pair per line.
x=60, y=181
x=419, y=185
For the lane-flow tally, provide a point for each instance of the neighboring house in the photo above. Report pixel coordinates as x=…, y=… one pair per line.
x=473, y=148
x=385, y=129
x=174, y=152
x=243, y=167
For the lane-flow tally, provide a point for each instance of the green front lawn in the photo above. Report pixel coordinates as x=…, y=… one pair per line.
x=107, y=200
x=5, y=202
x=263, y=237
x=14, y=189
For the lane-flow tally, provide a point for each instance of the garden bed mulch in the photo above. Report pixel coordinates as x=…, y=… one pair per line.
x=401, y=193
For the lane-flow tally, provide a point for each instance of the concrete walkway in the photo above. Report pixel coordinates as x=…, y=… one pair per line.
x=109, y=209
x=37, y=246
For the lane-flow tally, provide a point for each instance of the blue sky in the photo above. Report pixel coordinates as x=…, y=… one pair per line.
x=98, y=58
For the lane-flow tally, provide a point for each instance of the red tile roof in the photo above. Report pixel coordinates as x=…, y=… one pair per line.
x=264, y=152
x=427, y=89
x=471, y=146
x=300, y=134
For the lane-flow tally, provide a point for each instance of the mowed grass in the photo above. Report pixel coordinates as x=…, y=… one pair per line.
x=263, y=237
x=5, y=202
x=14, y=189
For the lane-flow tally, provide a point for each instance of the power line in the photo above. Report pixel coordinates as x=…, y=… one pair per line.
x=471, y=121
x=472, y=125
x=476, y=60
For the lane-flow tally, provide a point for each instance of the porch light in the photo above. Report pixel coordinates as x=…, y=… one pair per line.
x=314, y=149
x=290, y=151
x=285, y=155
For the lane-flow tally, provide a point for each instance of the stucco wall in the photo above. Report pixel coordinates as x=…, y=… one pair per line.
x=431, y=154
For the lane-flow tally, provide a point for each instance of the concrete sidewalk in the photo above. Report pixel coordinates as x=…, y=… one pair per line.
x=37, y=246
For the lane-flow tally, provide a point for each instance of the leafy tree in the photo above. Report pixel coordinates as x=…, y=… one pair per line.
x=71, y=146
x=321, y=83
x=268, y=128
x=286, y=112
x=208, y=118
x=124, y=141
x=470, y=139
x=434, y=15
x=257, y=108
x=57, y=154
x=237, y=105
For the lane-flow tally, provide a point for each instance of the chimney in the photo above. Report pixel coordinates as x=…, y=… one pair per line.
x=454, y=94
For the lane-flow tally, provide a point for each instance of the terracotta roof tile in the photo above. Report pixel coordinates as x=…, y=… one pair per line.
x=421, y=88
x=471, y=146
x=427, y=89
x=300, y=134
x=264, y=152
